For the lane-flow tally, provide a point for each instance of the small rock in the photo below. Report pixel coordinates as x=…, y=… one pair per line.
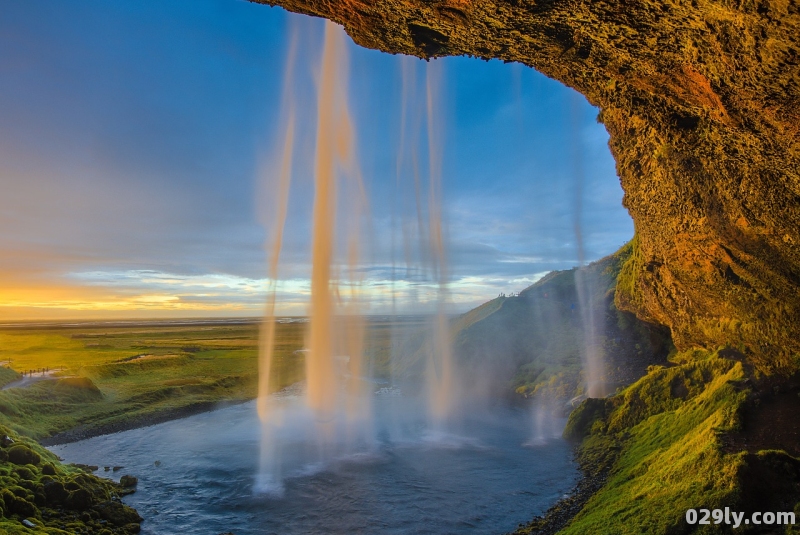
x=128, y=481
x=106, y=468
x=86, y=467
x=28, y=524
x=157, y=463
x=118, y=468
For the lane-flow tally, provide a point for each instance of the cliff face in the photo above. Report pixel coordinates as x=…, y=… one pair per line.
x=702, y=102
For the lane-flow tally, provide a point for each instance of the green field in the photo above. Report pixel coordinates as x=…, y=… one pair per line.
x=112, y=375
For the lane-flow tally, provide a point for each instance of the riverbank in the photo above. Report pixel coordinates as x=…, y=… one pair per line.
x=564, y=510
x=687, y=436
x=147, y=420
x=133, y=375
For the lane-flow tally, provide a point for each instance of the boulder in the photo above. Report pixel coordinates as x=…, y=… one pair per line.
x=79, y=500
x=128, y=481
x=22, y=454
x=117, y=514
x=55, y=492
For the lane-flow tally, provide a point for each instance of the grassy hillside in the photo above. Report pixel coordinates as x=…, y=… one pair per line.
x=705, y=430
x=110, y=377
x=535, y=342
x=7, y=375
x=686, y=437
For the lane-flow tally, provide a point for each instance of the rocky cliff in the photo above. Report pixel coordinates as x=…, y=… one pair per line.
x=702, y=102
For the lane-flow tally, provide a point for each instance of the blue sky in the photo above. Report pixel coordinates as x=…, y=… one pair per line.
x=134, y=137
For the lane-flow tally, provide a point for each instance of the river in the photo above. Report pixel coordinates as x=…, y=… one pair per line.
x=197, y=476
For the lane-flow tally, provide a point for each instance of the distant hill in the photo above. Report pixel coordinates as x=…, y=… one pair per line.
x=533, y=343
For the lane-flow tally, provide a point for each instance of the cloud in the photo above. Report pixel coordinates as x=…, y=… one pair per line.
x=133, y=140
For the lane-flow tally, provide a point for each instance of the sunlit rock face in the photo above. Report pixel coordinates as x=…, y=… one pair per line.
x=702, y=102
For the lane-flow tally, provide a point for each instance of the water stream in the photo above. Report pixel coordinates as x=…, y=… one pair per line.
x=480, y=479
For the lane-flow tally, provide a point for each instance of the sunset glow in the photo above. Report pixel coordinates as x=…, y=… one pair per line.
x=136, y=190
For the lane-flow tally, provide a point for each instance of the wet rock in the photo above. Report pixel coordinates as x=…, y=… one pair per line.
x=128, y=481
x=118, y=514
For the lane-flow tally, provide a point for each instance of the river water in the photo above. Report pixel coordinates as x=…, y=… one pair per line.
x=197, y=476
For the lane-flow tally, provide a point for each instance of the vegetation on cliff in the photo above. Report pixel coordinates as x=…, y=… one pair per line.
x=672, y=441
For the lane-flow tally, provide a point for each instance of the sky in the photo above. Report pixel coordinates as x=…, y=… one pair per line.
x=139, y=142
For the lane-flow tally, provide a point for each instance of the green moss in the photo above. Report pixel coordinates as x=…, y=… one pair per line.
x=57, y=498
x=583, y=418
x=23, y=454
x=660, y=437
x=627, y=295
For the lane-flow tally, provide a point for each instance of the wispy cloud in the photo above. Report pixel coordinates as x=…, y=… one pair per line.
x=130, y=163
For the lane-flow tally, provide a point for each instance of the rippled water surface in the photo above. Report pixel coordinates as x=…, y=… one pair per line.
x=481, y=479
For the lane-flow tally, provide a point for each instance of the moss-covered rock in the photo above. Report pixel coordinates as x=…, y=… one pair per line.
x=665, y=444
x=55, y=492
x=23, y=454
x=128, y=481
x=584, y=416
x=118, y=514
x=79, y=500
x=60, y=499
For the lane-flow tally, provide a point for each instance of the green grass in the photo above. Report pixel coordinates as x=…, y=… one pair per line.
x=663, y=436
x=136, y=371
x=7, y=375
